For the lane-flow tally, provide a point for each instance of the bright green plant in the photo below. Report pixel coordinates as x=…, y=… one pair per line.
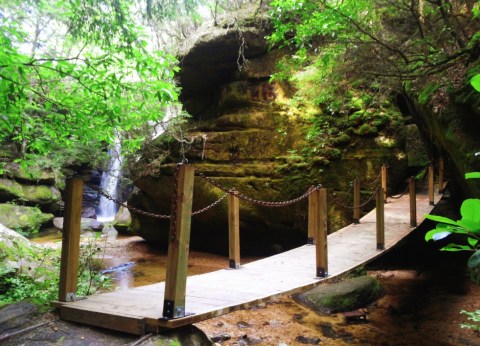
x=472, y=316
x=41, y=285
x=468, y=227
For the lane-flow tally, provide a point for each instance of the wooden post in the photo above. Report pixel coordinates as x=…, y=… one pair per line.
x=380, y=219
x=356, y=201
x=234, y=230
x=431, y=187
x=440, y=176
x=321, y=250
x=384, y=181
x=179, y=242
x=413, y=202
x=71, y=241
x=312, y=217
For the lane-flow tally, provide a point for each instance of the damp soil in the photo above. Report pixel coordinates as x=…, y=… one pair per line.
x=424, y=292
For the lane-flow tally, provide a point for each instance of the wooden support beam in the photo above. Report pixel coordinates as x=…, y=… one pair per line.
x=380, y=219
x=356, y=201
x=440, y=176
x=413, y=202
x=179, y=243
x=321, y=250
x=234, y=230
x=431, y=184
x=67, y=291
x=312, y=217
x=384, y=181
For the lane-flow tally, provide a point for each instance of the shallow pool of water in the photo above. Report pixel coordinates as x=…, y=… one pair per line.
x=131, y=262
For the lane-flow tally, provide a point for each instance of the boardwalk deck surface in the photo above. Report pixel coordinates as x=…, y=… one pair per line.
x=139, y=310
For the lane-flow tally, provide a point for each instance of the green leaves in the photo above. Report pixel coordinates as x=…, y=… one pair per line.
x=472, y=175
x=475, y=82
x=107, y=82
x=468, y=225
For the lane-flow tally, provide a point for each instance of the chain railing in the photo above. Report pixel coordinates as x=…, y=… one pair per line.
x=270, y=204
x=343, y=205
x=228, y=190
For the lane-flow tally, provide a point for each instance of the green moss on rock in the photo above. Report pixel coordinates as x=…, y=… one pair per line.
x=41, y=194
x=342, y=296
x=28, y=220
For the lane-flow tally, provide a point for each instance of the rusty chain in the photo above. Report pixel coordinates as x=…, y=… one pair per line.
x=228, y=191
x=270, y=204
x=340, y=204
x=154, y=215
x=400, y=195
x=374, y=182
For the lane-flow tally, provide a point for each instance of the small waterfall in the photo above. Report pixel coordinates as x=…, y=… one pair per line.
x=109, y=183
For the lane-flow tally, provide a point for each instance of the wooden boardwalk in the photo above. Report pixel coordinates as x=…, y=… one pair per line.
x=139, y=310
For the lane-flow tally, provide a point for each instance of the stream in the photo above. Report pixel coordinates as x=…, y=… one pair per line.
x=131, y=262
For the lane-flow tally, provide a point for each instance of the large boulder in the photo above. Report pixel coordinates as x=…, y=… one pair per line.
x=246, y=135
x=86, y=224
x=342, y=296
x=31, y=194
x=25, y=219
x=17, y=253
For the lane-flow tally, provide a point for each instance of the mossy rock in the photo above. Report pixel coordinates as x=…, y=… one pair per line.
x=41, y=194
x=28, y=220
x=122, y=221
x=17, y=252
x=342, y=296
x=31, y=175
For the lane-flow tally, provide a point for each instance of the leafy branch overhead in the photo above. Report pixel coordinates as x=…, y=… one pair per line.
x=78, y=72
x=402, y=40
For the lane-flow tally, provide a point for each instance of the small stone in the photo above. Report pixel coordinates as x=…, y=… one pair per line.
x=297, y=317
x=259, y=306
x=307, y=340
x=221, y=337
x=243, y=324
x=220, y=324
x=250, y=340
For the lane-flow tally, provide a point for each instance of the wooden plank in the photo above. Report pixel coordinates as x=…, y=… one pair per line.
x=384, y=181
x=380, y=219
x=123, y=323
x=356, y=201
x=413, y=202
x=312, y=215
x=321, y=253
x=71, y=241
x=234, y=231
x=179, y=243
x=431, y=182
x=440, y=176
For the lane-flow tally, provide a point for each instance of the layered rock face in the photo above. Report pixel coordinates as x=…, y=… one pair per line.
x=451, y=127
x=245, y=135
x=27, y=198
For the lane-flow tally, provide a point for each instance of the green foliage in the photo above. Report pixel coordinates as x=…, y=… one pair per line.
x=472, y=175
x=101, y=82
x=41, y=285
x=475, y=82
x=467, y=227
x=427, y=92
x=472, y=316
